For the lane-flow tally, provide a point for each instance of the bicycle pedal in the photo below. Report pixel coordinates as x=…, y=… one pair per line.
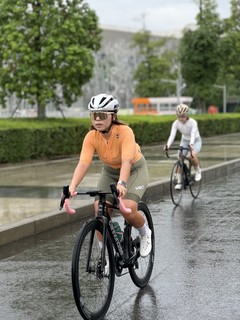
x=136, y=242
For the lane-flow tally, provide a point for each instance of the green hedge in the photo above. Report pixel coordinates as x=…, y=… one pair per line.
x=29, y=139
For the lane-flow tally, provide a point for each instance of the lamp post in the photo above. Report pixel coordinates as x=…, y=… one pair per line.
x=224, y=88
x=179, y=87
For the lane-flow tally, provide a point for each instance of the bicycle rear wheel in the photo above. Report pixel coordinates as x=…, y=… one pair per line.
x=194, y=186
x=176, y=195
x=92, y=288
x=141, y=270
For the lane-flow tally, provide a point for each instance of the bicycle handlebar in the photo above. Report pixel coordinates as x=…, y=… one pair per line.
x=66, y=196
x=180, y=149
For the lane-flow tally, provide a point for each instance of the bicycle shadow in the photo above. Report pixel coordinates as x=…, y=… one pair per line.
x=185, y=207
x=145, y=305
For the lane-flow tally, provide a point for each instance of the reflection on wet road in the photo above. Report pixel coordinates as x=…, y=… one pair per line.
x=196, y=272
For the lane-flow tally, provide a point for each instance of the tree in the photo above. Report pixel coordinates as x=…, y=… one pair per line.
x=200, y=53
x=46, y=50
x=156, y=62
x=230, y=45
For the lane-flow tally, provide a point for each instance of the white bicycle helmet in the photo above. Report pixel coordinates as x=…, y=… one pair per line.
x=182, y=109
x=103, y=102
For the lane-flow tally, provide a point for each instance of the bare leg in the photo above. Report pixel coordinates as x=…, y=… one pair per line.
x=134, y=218
x=195, y=162
x=194, y=159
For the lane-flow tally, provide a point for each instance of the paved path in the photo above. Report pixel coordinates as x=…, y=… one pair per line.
x=195, y=274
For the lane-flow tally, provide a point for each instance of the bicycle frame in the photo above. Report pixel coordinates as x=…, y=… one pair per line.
x=106, y=220
x=104, y=216
x=185, y=168
x=121, y=249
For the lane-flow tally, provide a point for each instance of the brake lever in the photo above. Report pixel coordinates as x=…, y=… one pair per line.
x=65, y=195
x=119, y=200
x=115, y=193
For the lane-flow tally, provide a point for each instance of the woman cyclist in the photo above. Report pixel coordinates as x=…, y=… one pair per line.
x=188, y=127
x=123, y=162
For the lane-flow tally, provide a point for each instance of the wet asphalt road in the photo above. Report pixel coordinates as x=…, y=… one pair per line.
x=195, y=276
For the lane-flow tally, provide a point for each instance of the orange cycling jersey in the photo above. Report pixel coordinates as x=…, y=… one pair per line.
x=120, y=145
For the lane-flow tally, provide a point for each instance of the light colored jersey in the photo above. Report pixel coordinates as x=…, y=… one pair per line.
x=189, y=131
x=121, y=145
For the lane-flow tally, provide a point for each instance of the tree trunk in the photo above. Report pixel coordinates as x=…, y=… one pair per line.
x=41, y=111
x=200, y=105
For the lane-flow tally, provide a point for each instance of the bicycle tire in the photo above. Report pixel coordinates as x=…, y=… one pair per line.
x=141, y=271
x=194, y=186
x=176, y=195
x=92, y=290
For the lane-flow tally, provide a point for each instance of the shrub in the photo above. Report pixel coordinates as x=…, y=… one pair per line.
x=28, y=139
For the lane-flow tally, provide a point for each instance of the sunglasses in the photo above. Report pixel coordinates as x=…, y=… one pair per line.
x=100, y=115
x=182, y=116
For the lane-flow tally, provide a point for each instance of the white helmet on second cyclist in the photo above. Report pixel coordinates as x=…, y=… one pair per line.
x=182, y=109
x=103, y=102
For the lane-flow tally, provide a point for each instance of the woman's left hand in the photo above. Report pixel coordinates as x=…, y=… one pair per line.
x=122, y=190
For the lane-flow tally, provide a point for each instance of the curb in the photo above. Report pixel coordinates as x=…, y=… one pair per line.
x=43, y=222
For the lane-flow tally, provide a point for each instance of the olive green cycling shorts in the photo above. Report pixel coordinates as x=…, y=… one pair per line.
x=136, y=184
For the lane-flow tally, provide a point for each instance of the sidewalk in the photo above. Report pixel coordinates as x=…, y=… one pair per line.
x=31, y=192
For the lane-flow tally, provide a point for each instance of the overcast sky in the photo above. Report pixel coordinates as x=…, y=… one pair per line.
x=156, y=15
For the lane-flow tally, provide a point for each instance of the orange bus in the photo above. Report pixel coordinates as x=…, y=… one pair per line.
x=158, y=106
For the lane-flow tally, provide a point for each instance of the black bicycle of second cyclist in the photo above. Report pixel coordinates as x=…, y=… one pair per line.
x=186, y=179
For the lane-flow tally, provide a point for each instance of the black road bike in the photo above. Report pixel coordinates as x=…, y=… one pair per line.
x=187, y=177
x=94, y=268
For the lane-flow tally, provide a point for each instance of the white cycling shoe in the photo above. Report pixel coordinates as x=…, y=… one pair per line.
x=198, y=175
x=146, y=244
x=178, y=186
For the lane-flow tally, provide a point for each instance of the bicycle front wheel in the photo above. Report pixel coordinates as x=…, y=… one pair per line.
x=141, y=270
x=176, y=189
x=92, y=284
x=194, y=186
